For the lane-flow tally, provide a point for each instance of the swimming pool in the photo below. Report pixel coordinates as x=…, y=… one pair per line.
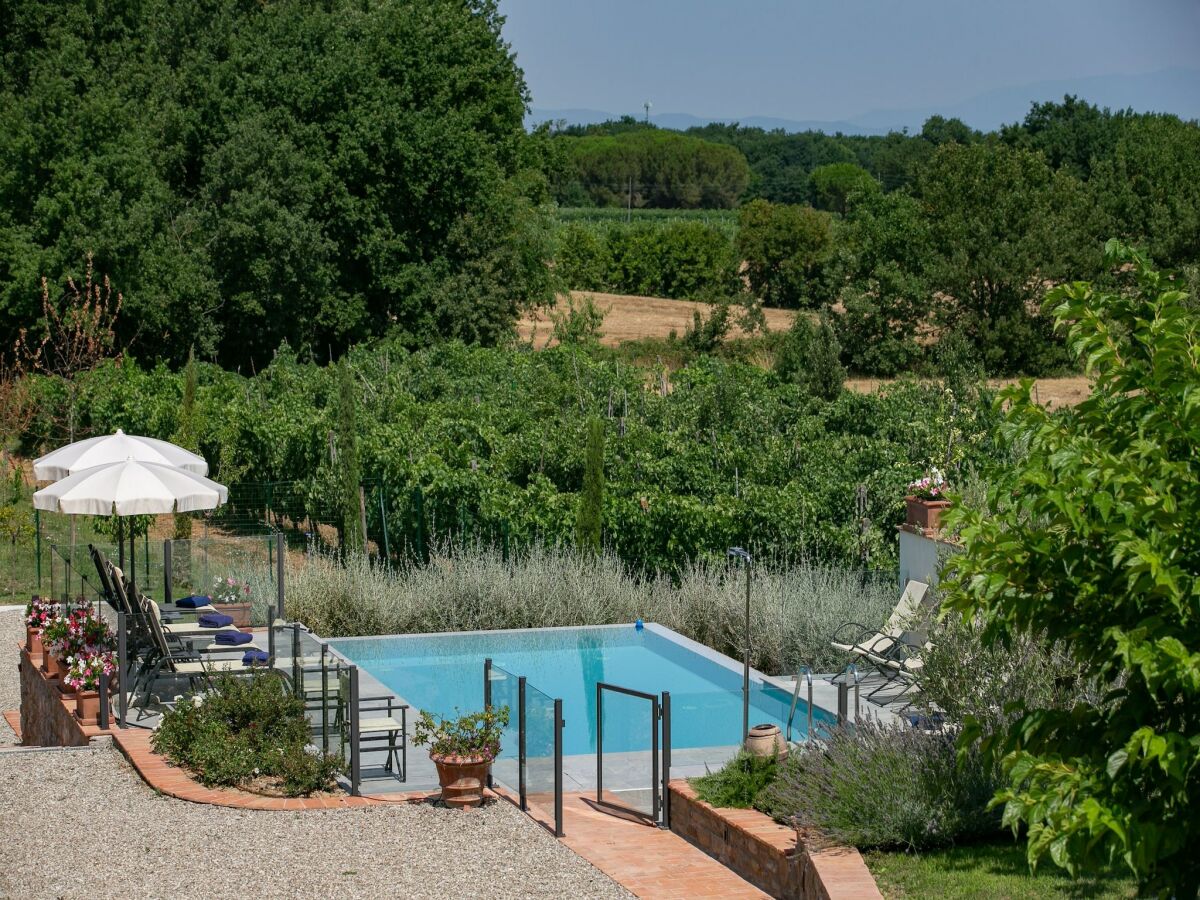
x=440, y=673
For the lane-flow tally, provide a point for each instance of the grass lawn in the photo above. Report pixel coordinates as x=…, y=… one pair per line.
x=997, y=871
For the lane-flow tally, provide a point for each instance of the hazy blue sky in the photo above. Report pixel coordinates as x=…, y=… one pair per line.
x=833, y=59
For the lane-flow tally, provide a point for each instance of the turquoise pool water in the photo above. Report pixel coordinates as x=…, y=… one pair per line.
x=444, y=672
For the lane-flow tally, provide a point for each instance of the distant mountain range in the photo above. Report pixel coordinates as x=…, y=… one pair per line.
x=1167, y=90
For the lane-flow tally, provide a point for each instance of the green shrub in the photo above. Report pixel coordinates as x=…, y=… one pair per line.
x=738, y=783
x=246, y=726
x=886, y=786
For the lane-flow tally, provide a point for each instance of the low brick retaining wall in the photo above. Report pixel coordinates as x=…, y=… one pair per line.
x=767, y=854
x=47, y=715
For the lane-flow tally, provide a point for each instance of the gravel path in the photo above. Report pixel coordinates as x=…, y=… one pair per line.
x=12, y=632
x=57, y=808
x=60, y=808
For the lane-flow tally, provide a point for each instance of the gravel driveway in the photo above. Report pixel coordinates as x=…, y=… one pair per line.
x=12, y=632
x=81, y=823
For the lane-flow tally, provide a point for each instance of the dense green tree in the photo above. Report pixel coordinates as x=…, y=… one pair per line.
x=1149, y=187
x=939, y=130
x=1085, y=541
x=252, y=173
x=832, y=186
x=887, y=301
x=809, y=355
x=1001, y=224
x=784, y=248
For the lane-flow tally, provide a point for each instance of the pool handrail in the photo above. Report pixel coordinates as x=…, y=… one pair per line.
x=806, y=672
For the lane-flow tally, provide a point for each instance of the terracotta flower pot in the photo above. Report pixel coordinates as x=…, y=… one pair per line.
x=462, y=779
x=33, y=640
x=766, y=740
x=925, y=513
x=62, y=683
x=87, y=707
x=240, y=613
x=53, y=665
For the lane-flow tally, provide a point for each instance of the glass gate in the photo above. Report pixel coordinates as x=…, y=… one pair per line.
x=633, y=751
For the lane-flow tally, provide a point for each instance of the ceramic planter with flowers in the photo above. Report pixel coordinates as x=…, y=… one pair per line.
x=463, y=750
x=232, y=597
x=927, y=501
x=83, y=677
x=38, y=613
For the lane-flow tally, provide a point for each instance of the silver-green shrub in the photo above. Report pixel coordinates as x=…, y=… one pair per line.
x=794, y=609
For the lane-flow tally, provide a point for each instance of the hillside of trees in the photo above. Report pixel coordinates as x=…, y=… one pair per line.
x=247, y=175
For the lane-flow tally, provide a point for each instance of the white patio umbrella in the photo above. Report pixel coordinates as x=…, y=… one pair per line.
x=131, y=488
x=114, y=448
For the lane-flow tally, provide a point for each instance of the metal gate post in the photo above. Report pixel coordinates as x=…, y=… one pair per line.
x=558, y=769
x=654, y=719
x=666, y=757
x=168, y=573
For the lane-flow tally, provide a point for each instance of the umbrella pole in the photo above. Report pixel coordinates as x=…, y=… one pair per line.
x=121, y=543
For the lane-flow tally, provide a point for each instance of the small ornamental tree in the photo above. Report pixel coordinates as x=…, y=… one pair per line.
x=348, y=471
x=1090, y=540
x=590, y=514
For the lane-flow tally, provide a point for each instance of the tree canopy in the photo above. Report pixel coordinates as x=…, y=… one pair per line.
x=252, y=173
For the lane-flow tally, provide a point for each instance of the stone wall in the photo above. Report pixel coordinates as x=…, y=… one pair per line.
x=47, y=720
x=767, y=854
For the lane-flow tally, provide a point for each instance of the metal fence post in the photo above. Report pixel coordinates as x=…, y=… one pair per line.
x=655, y=786
x=355, y=762
x=121, y=663
x=558, y=769
x=843, y=698
x=521, y=741
x=271, y=632
x=599, y=743
x=487, y=699
x=103, y=722
x=324, y=701
x=37, y=537
x=666, y=759
x=168, y=572
x=279, y=590
x=297, y=669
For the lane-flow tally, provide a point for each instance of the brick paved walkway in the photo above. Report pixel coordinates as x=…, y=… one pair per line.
x=649, y=861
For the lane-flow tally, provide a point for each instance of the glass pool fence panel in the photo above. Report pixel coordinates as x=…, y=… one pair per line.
x=627, y=750
x=503, y=691
x=543, y=753
x=206, y=565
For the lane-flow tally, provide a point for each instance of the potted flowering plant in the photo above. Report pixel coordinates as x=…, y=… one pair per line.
x=56, y=634
x=462, y=749
x=233, y=598
x=926, y=500
x=38, y=613
x=83, y=676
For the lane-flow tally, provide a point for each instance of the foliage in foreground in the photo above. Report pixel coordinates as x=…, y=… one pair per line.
x=738, y=783
x=794, y=609
x=885, y=786
x=1089, y=540
x=247, y=726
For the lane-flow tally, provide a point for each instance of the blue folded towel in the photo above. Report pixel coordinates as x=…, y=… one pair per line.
x=233, y=638
x=255, y=657
x=215, y=620
x=195, y=601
